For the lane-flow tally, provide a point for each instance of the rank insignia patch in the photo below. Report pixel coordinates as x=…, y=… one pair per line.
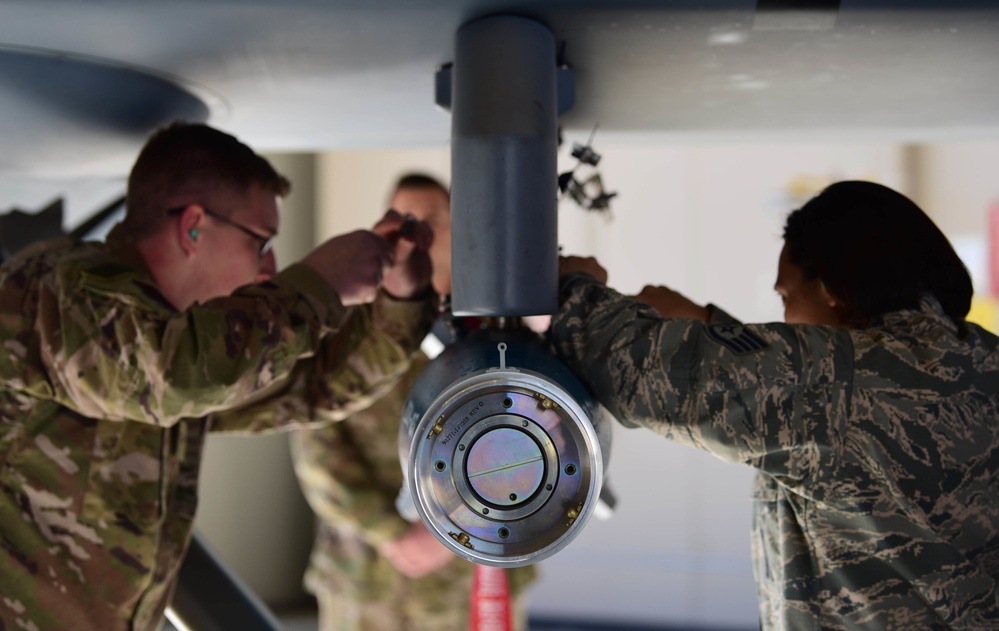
x=736, y=338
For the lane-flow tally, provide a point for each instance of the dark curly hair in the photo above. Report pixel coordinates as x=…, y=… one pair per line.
x=876, y=251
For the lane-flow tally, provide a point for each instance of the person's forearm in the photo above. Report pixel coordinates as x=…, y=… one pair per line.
x=356, y=365
x=740, y=392
x=111, y=357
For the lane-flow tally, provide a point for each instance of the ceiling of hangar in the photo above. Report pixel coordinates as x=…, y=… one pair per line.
x=309, y=75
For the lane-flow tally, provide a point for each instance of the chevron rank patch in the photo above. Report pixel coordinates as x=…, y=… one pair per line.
x=736, y=338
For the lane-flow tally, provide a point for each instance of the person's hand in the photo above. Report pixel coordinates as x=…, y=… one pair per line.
x=353, y=264
x=588, y=265
x=671, y=304
x=409, y=274
x=537, y=323
x=417, y=552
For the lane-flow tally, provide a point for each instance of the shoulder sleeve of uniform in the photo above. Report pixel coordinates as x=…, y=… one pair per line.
x=770, y=395
x=717, y=315
x=113, y=348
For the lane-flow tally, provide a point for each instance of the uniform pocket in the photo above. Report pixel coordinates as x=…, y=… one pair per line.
x=125, y=482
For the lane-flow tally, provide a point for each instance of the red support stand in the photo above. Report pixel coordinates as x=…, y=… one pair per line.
x=490, y=606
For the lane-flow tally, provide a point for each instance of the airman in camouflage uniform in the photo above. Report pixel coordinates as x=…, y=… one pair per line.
x=108, y=390
x=351, y=475
x=876, y=446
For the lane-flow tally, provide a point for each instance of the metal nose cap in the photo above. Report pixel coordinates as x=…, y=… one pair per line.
x=505, y=467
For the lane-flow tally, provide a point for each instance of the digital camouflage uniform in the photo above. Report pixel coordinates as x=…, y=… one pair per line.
x=107, y=393
x=351, y=475
x=877, y=449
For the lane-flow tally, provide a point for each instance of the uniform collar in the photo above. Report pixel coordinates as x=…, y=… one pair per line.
x=124, y=246
x=929, y=314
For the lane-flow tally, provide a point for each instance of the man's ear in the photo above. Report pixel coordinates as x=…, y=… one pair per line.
x=189, y=228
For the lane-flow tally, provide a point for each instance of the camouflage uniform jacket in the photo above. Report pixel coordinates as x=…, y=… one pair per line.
x=350, y=474
x=877, y=449
x=106, y=393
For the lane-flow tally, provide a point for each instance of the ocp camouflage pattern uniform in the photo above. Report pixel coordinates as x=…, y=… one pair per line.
x=877, y=449
x=107, y=394
x=350, y=474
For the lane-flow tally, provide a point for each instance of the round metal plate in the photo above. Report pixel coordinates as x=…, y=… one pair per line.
x=509, y=467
